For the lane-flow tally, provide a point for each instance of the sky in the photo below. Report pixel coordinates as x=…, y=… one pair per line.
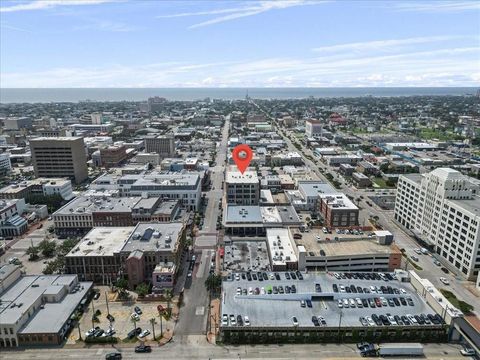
x=297, y=43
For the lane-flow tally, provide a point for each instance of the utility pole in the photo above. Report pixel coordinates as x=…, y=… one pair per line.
x=106, y=300
x=93, y=314
x=339, y=325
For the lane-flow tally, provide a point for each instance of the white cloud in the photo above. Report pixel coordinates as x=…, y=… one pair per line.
x=240, y=12
x=106, y=25
x=447, y=66
x=47, y=4
x=437, y=6
x=389, y=44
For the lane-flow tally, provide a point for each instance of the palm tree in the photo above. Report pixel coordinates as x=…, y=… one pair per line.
x=168, y=295
x=153, y=322
x=132, y=319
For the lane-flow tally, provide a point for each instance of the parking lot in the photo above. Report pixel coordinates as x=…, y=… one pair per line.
x=121, y=311
x=266, y=305
x=246, y=256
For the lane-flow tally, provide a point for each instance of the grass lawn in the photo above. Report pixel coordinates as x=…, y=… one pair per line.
x=459, y=304
x=382, y=184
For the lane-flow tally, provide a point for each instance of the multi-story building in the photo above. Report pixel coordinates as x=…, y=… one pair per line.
x=37, y=309
x=133, y=252
x=338, y=211
x=361, y=180
x=113, y=156
x=185, y=187
x=313, y=128
x=160, y=144
x=40, y=186
x=59, y=157
x=242, y=189
x=83, y=213
x=18, y=123
x=5, y=164
x=11, y=223
x=443, y=209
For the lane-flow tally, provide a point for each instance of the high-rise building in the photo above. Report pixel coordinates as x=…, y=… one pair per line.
x=59, y=157
x=313, y=128
x=162, y=144
x=242, y=189
x=5, y=164
x=443, y=209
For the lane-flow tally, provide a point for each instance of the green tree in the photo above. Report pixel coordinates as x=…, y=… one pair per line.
x=213, y=283
x=168, y=295
x=67, y=245
x=142, y=290
x=32, y=253
x=47, y=248
x=122, y=285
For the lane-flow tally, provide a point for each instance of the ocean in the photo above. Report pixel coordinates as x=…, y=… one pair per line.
x=17, y=95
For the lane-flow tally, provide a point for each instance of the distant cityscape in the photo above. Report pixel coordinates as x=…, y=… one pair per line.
x=126, y=227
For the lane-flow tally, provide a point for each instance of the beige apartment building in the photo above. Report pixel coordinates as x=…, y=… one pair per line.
x=59, y=157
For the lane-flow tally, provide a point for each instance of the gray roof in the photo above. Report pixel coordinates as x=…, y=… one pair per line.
x=85, y=204
x=313, y=188
x=27, y=290
x=243, y=214
x=154, y=237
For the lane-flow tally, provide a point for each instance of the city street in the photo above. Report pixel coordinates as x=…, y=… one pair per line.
x=180, y=350
x=193, y=314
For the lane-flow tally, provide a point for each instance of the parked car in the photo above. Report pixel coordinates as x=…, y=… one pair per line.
x=90, y=332
x=295, y=321
x=445, y=281
x=138, y=310
x=113, y=356
x=134, y=332
x=144, y=333
x=143, y=349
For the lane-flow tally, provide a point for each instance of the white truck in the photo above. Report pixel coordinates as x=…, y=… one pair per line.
x=400, y=349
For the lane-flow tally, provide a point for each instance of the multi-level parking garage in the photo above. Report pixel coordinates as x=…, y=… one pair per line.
x=319, y=308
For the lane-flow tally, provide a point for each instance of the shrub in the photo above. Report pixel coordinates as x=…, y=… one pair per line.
x=101, y=340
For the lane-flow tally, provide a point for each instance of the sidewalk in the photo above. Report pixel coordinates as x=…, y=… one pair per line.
x=214, y=320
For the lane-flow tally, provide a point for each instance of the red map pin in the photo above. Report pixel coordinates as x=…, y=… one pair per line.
x=242, y=155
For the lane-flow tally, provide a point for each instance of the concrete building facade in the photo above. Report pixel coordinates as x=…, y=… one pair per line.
x=163, y=145
x=59, y=157
x=443, y=209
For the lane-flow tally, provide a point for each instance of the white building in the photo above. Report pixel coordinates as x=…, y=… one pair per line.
x=443, y=208
x=313, y=128
x=5, y=164
x=169, y=186
x=242, y=189
x=36, y=309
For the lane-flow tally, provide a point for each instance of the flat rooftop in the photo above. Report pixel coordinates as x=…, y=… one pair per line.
x=234, y=176
x=282, y=246
x=154, y=237
x=88, y=205
x=24, y=292
x=314, y=188
x=277, y=310
x=339, y=201
x=102, y=241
